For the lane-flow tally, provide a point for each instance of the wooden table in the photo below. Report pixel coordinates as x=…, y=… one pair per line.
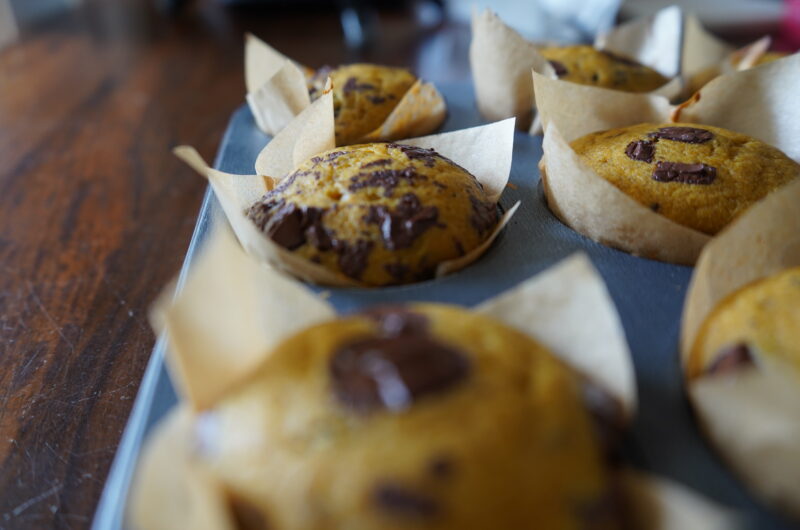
x=96, y=216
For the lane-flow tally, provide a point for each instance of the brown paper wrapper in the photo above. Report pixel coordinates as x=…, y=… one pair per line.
x=580, y=325
x=485, y=151
x=277, y=93
x=501, y=60
x=752, y=415
x=758, y=102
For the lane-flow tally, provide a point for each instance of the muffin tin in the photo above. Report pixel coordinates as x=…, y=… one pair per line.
x=648, y=295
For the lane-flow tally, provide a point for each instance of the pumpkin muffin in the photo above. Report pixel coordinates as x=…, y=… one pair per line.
x=699, y=176
x=425, y=416
x=757, y=324
x=379, y=213
x=586, y=65
x=363, y=96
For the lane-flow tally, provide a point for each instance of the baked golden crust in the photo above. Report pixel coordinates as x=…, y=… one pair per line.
x=363, y=97
x=757, y=323
x=589, y=66
x=699, y=176
x=421, y=417
x=378, y=213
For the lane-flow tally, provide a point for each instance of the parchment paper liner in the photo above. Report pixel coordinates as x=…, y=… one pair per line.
x=277, y=92
x=501, y=60
x=759, y=102
x=485, y=151
x=217, y=309
x=753, y=415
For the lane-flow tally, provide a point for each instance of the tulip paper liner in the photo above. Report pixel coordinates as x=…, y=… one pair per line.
x=752, y=414
x=501, y=60
x=759, y=102
x=484, y=151
x=277, y=92
x=221, y=331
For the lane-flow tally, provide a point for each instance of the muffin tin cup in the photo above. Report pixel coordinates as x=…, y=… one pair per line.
x=758, y=102
x=752, y=413
x=277, y=93
x=485, y=151
x=502, y=60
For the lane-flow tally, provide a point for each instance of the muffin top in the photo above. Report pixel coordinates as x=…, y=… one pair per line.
x=699, y=176
x=363, y=96
x=379, y=213
x=586, y=65
x=423, y=416
x=757, y=324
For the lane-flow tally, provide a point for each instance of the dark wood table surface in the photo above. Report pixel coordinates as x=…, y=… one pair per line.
x=96, y=215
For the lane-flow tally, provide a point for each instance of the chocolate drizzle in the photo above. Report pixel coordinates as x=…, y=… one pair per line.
x=559, y=68
x=730, y=359
x=396, y=367
x=684, y=173
x=641, y=150
x=689, y=135
x=409, y=220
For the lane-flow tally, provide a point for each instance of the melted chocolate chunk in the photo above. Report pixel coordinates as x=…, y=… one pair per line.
x=400, y=501
x=396, y=320
x=353, y=257
x=245, y=515
x=641, y=150
x=291, y=226
x=559, y=68
x=352, y=85
x=391, y=372
x=388, y=179
x=428, y=156
x=730, y=359
x=330, y=157
x=620, y=58
x=399, y=228
x=684, y=173
x=380, y=162
x=689, y=135
x=484, y=215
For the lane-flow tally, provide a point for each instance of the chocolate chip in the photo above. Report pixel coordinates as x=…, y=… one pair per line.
x=730, y=359
x=397, y=271
x=353, y=256
x=409, y=220
x=246, y=516
x=291, y=226
x=391, y=372
x=395, y=320
x=376, y=100
x=352, y=85
x=559, y=68
x=380, y=162
x=388, y=179
x=329, y=157
x=441, y=467
x=484, y=214
x=428, y=156
x=641, y=150
x=684, y=173
x=400, y=501
x=620, y=58
x=655, y=206
x=689, y=135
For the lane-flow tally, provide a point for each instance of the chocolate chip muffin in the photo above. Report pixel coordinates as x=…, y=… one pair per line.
x=424, y=416
x=586, y=65
x=699, y=176
x=363, y=96
x=757, y=324
x=380, y=213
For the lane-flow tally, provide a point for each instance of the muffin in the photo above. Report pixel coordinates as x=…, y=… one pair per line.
x=586, y=65
x=703, y=77
x=698, y=176
x=379, y=213
x=424, y=416
x=757, y=324
x=363, y=96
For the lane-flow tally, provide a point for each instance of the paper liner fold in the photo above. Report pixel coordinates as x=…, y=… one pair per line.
x=758, y=102
x=501, y=61
x=277, y=92
x=484, y=151
x=568, y=309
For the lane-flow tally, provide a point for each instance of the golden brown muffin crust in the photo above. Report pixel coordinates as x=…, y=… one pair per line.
x=699, y=176
x=589, y=66
x=378, y=213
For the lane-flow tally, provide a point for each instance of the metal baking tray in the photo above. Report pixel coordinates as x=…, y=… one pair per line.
x=664, y=438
